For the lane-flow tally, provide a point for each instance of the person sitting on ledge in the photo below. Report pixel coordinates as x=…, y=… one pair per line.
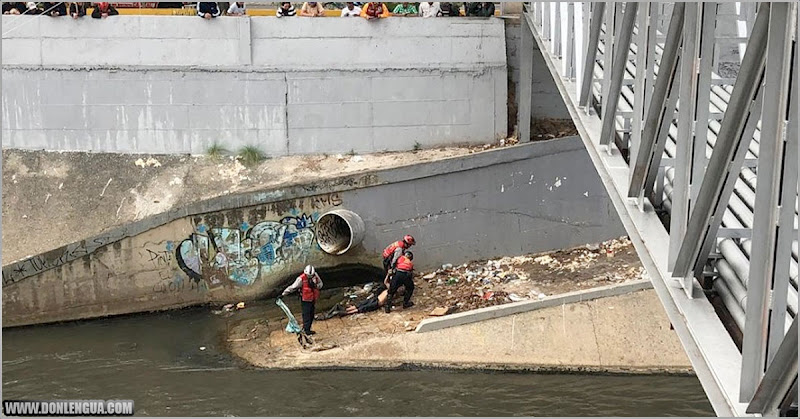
x=450, y=9
x=374, y=10
x=33, y=8
x=237, y=9
x=404, y=9
x=13, y=8
x=104, y=10
x=351, y=10
x=77, y=9
x=286, y=9
x=481, y=9
x=430, y=9
x=312, y=9
x=208, y=10
x=55, y=9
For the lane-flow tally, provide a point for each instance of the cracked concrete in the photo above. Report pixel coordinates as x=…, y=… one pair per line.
x=628, y=333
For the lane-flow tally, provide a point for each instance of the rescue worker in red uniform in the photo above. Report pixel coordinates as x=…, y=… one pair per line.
x=393, y=252
x=403, y=276
x=309, y=284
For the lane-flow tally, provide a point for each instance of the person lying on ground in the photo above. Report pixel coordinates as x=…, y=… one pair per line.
x=370, y=304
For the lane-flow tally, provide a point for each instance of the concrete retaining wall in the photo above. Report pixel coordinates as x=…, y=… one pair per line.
x=523, y=199
x=168, y=84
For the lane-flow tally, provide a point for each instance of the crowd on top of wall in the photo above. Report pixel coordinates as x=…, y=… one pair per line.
x=55, y=9
x=210, y=10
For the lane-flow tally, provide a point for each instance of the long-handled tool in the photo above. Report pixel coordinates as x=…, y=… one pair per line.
x=294, y=327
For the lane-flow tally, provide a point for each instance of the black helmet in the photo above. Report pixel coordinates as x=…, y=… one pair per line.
x=409, y=254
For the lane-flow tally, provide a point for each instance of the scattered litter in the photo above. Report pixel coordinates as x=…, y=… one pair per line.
x=202, y=348
x=240, y=305
x=442, y=311
x=150, y=162
x=356, y=159
x=488, y=295
x=447, y=266
x=515, y=298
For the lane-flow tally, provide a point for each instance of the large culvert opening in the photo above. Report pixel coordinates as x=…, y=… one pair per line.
x=338, y=231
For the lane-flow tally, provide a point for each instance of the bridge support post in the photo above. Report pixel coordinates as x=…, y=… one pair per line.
x=770, y=157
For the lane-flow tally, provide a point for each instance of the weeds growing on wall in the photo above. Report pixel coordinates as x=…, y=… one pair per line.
x=251, y=155
x=216, y=151
x=352, y=152
x=417, y=146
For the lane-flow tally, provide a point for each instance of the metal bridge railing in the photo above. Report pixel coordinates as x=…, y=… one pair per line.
x=689, y=111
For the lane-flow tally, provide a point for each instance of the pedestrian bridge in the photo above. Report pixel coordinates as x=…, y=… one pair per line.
x=689, y=112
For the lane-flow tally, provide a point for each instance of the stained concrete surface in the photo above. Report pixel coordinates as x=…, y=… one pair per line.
x=507, y=201
x=628, y=333
x=379, y=86
x=51, y=199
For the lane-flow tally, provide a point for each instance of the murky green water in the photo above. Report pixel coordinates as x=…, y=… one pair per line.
x=156, y=361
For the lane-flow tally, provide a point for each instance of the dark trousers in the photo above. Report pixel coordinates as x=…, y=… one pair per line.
x=308, y=314
x=387, y=262
x=405, y=279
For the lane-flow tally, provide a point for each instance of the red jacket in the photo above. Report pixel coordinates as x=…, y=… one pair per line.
x=392, y=247
x=405, y=264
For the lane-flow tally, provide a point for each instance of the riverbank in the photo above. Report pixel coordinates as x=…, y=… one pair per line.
x=620, y=334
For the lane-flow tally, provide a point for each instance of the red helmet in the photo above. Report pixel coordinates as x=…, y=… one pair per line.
x=409, y=240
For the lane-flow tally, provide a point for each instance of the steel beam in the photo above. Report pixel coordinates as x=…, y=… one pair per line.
x=779, y=378
x=622, y=46
x=786, y=233
x=720, y=175
x=644, y=74
x=598, y=10
x=656, y=112
x=684, y=142
x=608, y=51
x=762, y=260
x=707, y=43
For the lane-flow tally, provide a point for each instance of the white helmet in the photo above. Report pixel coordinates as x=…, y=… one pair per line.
x=309, y=270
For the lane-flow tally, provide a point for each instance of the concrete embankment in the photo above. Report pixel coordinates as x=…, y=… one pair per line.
x=627, y=333
x=507, y=201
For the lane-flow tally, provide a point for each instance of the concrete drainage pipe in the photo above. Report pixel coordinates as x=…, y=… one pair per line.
x=339, y=230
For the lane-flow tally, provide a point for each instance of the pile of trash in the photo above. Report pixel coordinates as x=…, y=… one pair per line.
x=508, y=279
x=477, y=284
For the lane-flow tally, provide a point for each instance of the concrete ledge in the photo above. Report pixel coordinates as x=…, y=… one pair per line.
x=481, y=314
x=17, y=271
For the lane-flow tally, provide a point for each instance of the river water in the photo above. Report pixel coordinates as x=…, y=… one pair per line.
x=156, y=360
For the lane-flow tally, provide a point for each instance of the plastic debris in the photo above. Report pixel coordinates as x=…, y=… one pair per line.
x=202, y=348
x=240, y=305
x=515, y=297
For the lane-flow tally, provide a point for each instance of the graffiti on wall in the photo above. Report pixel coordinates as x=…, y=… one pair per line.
x=239, y=255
